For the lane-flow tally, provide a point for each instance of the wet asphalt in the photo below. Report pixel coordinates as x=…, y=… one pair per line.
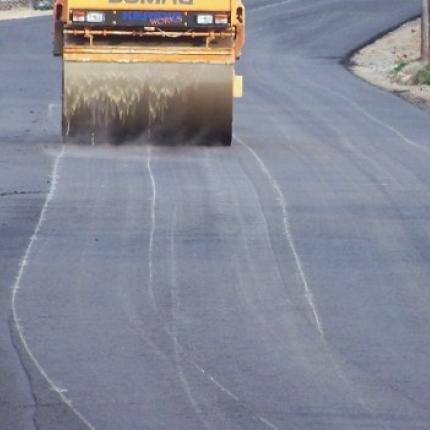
x=282, y=283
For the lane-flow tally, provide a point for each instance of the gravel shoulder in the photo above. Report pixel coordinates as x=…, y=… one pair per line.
x=21, y=13
x=377, y=62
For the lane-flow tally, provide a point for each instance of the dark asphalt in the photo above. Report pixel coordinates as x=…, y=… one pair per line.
x=279, y=284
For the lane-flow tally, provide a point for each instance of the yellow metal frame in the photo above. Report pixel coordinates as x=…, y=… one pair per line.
x=131, y=54
x=167, y=5
x=163, y=52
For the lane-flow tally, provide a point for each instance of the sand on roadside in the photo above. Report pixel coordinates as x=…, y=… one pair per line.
x=376, y=63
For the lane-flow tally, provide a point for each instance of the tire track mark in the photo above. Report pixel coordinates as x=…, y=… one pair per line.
x=178, y=348
x=17, y=286
x=288, y=234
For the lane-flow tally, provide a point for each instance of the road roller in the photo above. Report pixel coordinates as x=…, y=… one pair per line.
x=150, y=70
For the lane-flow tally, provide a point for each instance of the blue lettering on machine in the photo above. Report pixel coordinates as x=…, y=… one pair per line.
x=154, y=19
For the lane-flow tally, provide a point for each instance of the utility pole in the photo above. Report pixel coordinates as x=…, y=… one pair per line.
x=425, y=31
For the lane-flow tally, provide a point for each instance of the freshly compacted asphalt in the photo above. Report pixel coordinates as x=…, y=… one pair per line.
x=282, y=283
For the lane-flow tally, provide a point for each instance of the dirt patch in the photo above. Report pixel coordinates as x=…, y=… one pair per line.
x=392, y=63
x=21, y=13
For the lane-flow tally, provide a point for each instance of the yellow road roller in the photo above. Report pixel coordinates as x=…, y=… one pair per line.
x=155, y=70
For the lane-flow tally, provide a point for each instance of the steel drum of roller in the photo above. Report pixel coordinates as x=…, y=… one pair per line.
x=109, y=102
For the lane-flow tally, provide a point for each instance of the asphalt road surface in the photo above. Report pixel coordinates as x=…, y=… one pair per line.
x=280, y=284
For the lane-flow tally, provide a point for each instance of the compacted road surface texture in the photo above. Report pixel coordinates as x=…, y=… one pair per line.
x=283, y=283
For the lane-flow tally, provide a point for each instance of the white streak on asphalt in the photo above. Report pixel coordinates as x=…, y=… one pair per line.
x=178, y=348
x=17, y=286
x=270, y=6
x=371, y=161
x=185, y=384
x=215, y=382
x=288, y=234
x=153, y=224
x=226, y=391
x=378, y=168
x=376, y=120
x=51, y=108
x=283, y=203
x=174, y=334
x=268, y=423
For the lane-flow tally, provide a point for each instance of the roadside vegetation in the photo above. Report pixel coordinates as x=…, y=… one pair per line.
x=411, y=73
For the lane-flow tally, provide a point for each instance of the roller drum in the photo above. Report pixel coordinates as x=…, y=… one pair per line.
x=161, y=102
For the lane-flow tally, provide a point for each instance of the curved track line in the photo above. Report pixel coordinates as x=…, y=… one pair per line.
x=282, y=201
x=176, y=345
x=373, y=118
x=270, y=6
x=288, y=234
x=17, y=285
x=153, y=225
x=179, y=349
